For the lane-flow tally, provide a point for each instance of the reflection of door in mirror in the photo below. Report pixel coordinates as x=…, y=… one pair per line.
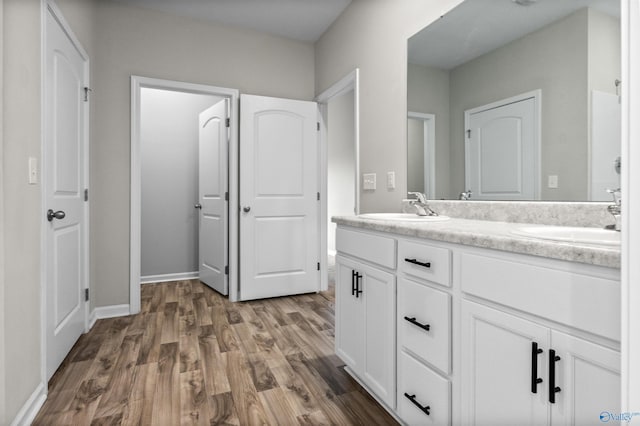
x=421, y=153
x=503, y=148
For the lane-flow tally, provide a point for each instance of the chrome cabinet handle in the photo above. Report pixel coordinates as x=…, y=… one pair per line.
x=55, y=215
x=197, y=206
x=246, y=209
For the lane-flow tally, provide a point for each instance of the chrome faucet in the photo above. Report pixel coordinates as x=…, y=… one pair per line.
x=422, y=207
x=465, y=195
x=616, y=208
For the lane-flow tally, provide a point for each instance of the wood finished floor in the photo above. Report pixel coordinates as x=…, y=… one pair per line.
x=192, y=357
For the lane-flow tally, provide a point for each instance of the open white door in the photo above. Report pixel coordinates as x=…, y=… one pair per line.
x=63, y=186
x=279, y=187
x=213, y=197
x=502, y=150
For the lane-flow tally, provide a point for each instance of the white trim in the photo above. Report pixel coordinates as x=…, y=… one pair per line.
x=429, y=131
x=630, y=176
x=164, y=278
x=137, y=83
x=350, y=82
x=537, y=98
x=112, y=311
x=45, y=7
x=30, y=409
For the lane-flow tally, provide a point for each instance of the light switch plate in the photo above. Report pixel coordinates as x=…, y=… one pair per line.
x=391, y=180
x=552, y=181
x=369, y=181
x=33, y=171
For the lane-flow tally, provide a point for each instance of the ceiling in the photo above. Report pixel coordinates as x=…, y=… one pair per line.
x=476, y=27
x=304, y=20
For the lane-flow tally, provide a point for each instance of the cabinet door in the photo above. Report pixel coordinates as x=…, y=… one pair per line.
x=379, y=366
x=497, y=368
x=349, y=317
x=588, y=376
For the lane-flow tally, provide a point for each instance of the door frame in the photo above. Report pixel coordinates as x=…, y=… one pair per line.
x=630, y=269
x=537, y=100
x=429, y=130
x=49, y=6
x=137, y=84
x=350, y=82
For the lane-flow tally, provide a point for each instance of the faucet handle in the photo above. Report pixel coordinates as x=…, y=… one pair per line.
x=420, y=196
x=616, y=194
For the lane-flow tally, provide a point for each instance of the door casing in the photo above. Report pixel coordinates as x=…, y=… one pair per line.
x=137, y=83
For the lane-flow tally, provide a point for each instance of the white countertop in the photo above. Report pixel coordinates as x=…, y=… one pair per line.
x=493, y=235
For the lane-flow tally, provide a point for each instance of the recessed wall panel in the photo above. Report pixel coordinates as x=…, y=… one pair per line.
x=288, y=235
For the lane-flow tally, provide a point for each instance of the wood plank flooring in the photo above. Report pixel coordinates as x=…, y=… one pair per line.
x=193, y=358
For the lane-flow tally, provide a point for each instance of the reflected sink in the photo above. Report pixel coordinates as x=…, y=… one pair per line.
x=403, y=217
x=572, y=234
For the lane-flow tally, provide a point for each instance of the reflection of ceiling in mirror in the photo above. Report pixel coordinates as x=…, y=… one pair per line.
x=476, y=27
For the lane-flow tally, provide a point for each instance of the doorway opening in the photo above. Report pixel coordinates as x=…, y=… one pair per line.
x=340, y=136
x=164, y=180
x=421, y=142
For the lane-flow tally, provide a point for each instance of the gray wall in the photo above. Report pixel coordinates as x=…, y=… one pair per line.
x=153, y=44
x=428, y=93
x=372, y=35
x=169, y=153
x=553, y=59
x=341, y=161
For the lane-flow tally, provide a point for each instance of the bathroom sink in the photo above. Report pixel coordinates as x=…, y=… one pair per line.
x=403, y=217
x=571, y=234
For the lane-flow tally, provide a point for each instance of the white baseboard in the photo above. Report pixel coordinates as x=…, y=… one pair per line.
x=147, y=279
x=112, y=311
x=30, y=409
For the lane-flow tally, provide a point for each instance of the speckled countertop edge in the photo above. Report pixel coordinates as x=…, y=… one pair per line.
x=491, y=234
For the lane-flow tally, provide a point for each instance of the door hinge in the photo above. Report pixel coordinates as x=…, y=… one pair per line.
x=318, y=196
x=86, y=94
x=226, y=270
x=468, y=133
x=86, y=194
x=86, y=294
x=318, y=125
x=228, y=122
x=226, y=196
x=318, y=266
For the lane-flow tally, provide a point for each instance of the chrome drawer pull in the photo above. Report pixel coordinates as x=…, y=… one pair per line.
x=412, y=398
x=416, y=323
x=417, y=262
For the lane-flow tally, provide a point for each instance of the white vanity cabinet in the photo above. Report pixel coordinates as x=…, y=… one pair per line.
x=531, y=366
x=365, y=310
x=447, y=334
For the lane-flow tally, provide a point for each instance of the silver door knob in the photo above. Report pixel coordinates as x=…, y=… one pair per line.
x=55, y=215
x=246, y=209
x=198, y=206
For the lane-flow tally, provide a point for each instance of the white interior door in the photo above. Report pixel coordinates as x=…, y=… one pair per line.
x=213, y=197
x=501, y=151
x=279, y=207
x=63, y=186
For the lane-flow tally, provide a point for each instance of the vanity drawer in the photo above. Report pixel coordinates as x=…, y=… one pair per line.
x=565, y=296
x=425, y=388
x=425, y=261
x=420, y=307
x=374, y=248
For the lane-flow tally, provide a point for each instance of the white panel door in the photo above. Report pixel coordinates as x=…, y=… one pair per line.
x=501, y=151
x=279, y=210
x=63, y=185
x=213, y=197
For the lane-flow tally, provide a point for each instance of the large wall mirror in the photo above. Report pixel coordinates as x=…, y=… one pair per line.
x=516, y=100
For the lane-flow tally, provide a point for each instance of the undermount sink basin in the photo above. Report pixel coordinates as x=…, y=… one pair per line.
x=571, y=234
x=403, y=217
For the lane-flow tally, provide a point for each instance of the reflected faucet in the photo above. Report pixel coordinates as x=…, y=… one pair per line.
x=422, y=207
x=616, y=208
